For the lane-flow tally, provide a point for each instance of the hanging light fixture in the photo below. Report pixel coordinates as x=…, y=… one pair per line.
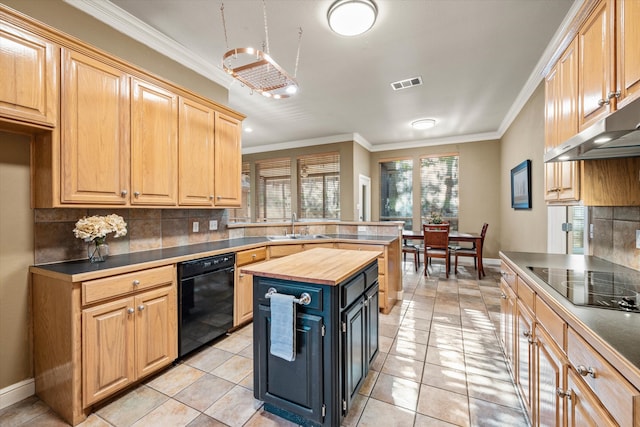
x=256, y=69
x=352, y=17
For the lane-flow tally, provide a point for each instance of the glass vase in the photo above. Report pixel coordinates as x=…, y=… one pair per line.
x=98, y=250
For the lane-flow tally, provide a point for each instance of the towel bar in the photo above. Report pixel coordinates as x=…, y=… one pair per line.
x=305, y=298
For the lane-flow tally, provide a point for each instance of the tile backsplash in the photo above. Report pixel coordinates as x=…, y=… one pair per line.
x=614, y=234
x=147, y=229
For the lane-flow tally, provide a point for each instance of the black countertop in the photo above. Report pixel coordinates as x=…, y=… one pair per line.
x=189, y=252
x=618, y=329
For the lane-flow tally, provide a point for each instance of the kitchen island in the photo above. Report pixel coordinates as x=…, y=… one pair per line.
x=336, y=332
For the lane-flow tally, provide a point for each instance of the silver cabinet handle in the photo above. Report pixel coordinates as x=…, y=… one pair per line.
x=562, y=393
x=140, y=307
x=584, y=371
x=503, y=295
x=615, y=94
x=124, y=193
x=210, y=196
x=254, y=256
x=136, y=193
x=602, y=102
x=130, y=310
x=136, y=282
x=526, y=333
x=241, y=275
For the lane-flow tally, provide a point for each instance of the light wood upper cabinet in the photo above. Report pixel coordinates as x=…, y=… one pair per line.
x=596, y=61
x=196, y=154
x=628, y=50
x=29, y=70
x=154, y=145
x=95, y=131
x=228, y=161
x=561, y=122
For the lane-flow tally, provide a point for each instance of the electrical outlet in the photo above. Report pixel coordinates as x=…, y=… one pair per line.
x=637, y=239
x=196, y=226
x=213, y=225
x=362, y=228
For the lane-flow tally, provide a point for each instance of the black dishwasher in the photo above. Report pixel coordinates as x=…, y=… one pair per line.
x=205, y=300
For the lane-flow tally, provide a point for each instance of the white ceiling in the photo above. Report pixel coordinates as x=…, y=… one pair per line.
x=479, y=60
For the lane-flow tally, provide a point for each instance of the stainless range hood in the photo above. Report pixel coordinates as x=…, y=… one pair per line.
x=617, y=135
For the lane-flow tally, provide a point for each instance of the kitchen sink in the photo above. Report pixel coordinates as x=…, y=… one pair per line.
x=297, y=237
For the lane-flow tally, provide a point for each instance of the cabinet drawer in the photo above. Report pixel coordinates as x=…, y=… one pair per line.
x=371, y=274
x=361, y=247
x=551, y=322
x=352, y=290
x=526, y=294
x=508, y=275
x=617, y=395
x=278, y=251
x=109, y=287
x=253, y=255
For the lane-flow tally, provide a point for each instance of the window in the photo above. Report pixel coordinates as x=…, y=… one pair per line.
x=396, y=182
x=243, y=213
x=439, y=188
x=319, y=186
x=274, y=190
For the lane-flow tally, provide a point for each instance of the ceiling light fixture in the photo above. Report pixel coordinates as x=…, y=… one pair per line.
x=352, y=17
x=423, y=124
x=256, y=69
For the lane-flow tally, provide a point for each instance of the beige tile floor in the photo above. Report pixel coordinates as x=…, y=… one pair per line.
x=440, y=364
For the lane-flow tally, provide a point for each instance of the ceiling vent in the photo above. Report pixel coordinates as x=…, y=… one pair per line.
x=404, y=84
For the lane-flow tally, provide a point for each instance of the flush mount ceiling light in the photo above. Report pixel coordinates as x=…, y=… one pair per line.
x=423, y=124
x=256, y=69
x=352, y=17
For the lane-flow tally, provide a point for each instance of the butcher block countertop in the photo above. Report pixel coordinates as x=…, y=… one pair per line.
x=322, y=266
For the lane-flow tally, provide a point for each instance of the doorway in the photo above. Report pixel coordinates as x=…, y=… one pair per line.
x=364, y=198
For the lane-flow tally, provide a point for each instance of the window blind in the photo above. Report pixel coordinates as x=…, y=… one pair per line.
x=439, y=188
x=274, y=190
x=319, y=186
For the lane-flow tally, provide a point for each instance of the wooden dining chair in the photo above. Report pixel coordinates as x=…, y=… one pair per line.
x=411, y=249
x=471, y=252
x=436, y=244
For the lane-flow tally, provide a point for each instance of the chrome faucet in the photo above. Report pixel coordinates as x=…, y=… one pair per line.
x=293, y=219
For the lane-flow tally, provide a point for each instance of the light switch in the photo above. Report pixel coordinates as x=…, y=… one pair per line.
x=637, y=239
x=213, y=225
x=196, y=226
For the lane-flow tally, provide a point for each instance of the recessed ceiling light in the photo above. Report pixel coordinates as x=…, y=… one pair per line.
x=352, y=17
x=248, y=130
x=423, y=124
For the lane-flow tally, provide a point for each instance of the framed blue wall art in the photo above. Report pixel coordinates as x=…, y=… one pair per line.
x=521, y=186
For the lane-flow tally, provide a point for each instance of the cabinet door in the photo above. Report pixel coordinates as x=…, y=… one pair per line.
x=243, y=296
x=354, y=351
x=156, y=330
x=596, y=65
x=524, y=355
x=107, y=349
x=372, y=321
x=628, y=45
x=273, y=384
x=95, y=131
x=195, y=154
x=228, y=161
x=584, y=408
x=154, y=145
x=507, y=323
x=28, y=87
x=549, y=377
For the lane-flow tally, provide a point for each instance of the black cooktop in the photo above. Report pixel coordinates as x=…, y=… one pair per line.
x=615, y=291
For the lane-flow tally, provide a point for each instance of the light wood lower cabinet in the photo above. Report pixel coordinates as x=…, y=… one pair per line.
x=127, y=339
x=562, y=379
x=243, y=292
x=87, y=347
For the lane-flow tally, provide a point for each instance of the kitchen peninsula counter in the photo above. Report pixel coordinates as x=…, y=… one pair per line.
x=613, y=333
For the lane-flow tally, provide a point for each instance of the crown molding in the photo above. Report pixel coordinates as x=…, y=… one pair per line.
x=126, y=23
x=458, y=139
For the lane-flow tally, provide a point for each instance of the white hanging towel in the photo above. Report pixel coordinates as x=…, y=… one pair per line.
x=283, y=327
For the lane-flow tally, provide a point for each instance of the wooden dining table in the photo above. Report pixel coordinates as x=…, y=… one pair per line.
x=454, y=236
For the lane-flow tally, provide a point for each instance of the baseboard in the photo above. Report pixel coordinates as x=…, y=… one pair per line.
x=17, y=392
